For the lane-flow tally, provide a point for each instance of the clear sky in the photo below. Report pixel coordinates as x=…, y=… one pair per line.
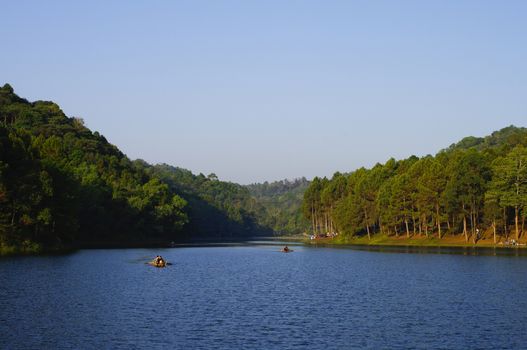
x=266, y=90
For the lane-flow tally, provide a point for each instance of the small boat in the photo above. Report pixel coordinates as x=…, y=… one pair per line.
x=158, y=264
x=286, y=250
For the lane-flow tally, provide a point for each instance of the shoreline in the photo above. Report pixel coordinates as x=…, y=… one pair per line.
x=417, y=241
x=41, y=250
x=378, y=240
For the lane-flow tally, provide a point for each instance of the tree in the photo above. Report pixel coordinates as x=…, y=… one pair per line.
x=401, y=199
x=430, y=191
x=465, y=189
x=510, y=182
x=492, y=208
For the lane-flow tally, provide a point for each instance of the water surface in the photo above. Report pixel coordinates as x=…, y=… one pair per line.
x=253, y=296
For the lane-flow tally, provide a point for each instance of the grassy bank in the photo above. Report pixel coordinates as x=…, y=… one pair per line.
x=31, y=248
x=417, y=241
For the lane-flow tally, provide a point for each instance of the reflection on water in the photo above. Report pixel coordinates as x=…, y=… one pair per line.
x=485, y=251
x=434, y=250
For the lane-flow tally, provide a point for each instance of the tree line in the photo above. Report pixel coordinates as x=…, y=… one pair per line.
x=62, y=185
x=474, y=187
x=280, y=206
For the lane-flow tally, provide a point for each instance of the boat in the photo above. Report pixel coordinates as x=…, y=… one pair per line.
x=158, y=264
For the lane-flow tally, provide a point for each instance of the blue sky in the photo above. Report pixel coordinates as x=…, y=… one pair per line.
x=266, y=90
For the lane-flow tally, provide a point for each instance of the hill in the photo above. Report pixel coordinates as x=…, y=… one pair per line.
x=62, y=185
x=476, y=188
x=280, y=205
x=500, y=141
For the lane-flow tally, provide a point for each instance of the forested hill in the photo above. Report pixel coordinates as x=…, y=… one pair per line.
x=278, y=188
x=63, y=185
x=476, y=188
x=216, y=208
x=281, y=205
x=499, y=141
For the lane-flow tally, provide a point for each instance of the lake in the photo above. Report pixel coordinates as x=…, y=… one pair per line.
x=252, y=296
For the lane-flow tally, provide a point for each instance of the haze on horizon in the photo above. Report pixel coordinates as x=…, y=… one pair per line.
x=272, y=90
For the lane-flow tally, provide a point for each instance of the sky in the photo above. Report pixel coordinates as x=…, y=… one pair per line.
x=259, y=91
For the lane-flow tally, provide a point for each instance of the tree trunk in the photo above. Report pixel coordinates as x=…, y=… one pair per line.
x=516, y=208
x=367, y=224
x=516, y=211
x=316, y=222
x=505, y=223
x=313, y=219
x=523, y=223
x=331, y=225
x=465, y=228
x=438, y=221
x=407, y=229
x=473, y=221
x=494, y=229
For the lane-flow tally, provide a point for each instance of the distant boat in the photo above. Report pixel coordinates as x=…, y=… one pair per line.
x=159, y=262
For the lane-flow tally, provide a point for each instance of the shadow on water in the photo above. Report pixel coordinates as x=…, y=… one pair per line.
x=262, y=241
x=474, y=251
x=239, y=243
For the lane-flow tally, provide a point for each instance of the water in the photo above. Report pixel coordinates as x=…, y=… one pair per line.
x=254, y=297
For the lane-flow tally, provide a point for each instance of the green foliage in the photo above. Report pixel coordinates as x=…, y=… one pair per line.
x=279, y=205
x=476, y=182
x=509, y=184
x=217, y=209
x=62, y=185
x=501, y=141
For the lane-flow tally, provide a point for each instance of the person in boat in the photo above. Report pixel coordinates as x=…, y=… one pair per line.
x=159, y=260
x=286, y=249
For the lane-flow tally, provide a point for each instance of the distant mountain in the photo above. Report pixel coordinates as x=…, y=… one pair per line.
x=280, y=205
x=217, y=209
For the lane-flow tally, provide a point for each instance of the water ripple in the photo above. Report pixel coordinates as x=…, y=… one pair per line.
x=241, y=297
